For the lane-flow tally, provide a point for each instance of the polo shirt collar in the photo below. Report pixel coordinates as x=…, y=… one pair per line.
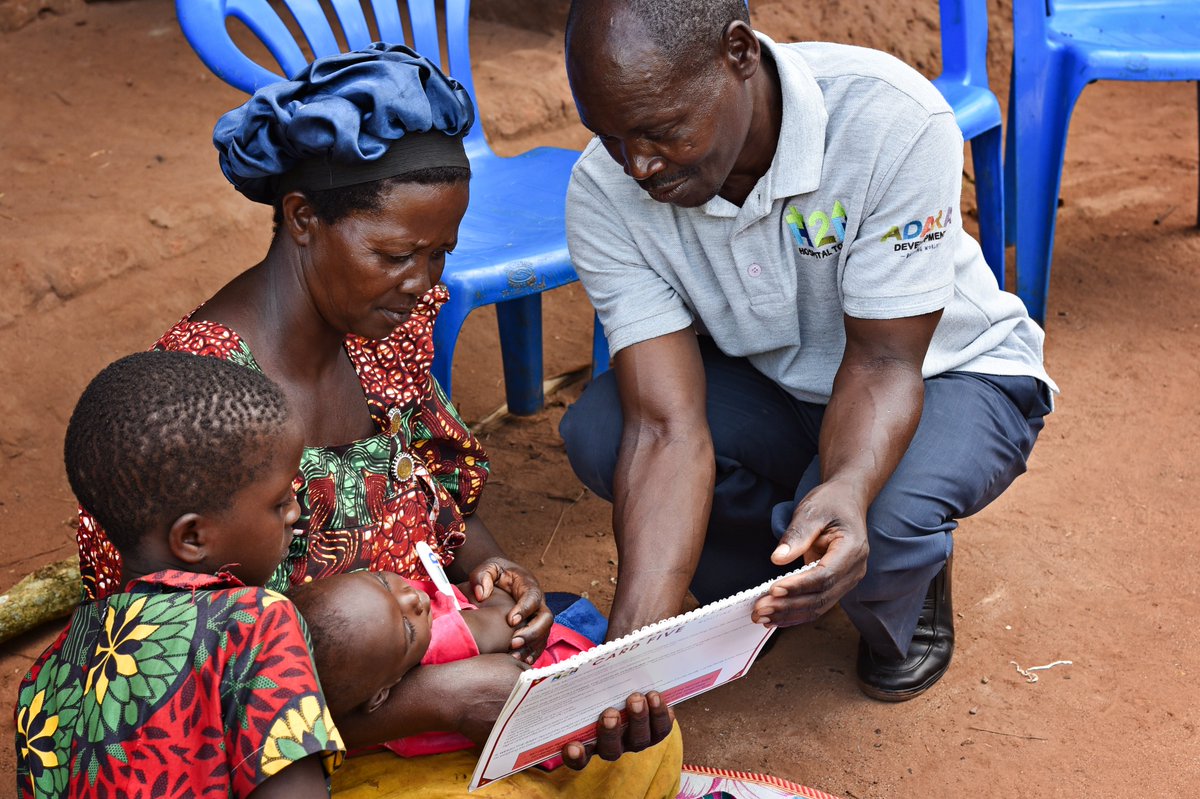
x=800, y=152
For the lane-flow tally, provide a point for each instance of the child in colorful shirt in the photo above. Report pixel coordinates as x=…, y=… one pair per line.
x=193, y=682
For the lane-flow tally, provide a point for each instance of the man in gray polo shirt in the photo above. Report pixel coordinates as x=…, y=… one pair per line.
x=811, y=359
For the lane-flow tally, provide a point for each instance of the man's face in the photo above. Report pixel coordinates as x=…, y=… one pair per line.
x=678, y=135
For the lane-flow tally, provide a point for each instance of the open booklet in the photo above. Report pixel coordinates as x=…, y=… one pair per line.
x=679, y=657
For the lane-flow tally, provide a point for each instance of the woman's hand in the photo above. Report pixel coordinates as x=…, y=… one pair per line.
x=529, y=617
x=650, y=721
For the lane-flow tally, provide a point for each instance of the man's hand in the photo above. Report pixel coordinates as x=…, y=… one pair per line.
x=650, y=721
x=530, y=617
x=830, y=525
x=873, y=411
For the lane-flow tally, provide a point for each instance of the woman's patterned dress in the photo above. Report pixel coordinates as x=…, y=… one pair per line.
x=366, y=503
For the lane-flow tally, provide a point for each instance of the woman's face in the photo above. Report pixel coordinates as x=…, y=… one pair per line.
x=366, y=272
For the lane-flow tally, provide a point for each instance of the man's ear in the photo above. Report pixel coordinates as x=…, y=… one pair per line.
x=742, y=49
x=299, y=216
x=374, y=703
x=188, y=539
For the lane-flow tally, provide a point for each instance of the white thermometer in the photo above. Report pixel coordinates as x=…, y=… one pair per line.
x=433, y=568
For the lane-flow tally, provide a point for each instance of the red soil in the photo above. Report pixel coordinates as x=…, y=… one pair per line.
x=114, y=221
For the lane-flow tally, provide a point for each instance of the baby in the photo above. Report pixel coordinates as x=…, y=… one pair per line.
x=370, y=628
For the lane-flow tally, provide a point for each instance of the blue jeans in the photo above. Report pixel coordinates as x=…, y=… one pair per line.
x=973, y=440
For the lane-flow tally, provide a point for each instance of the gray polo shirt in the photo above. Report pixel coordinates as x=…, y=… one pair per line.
x=857, y=215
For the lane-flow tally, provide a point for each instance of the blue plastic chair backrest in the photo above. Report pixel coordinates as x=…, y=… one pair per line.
x=1031, y=18
x=1054, y=6
x=964, y=41
x=964, y=34
x=204, y=24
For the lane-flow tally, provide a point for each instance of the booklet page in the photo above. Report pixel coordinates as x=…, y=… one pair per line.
x=679, y=657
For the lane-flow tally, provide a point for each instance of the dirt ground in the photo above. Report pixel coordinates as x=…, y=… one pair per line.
x=114, y=222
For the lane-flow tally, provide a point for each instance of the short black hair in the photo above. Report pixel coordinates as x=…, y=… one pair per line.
x=333, y=205
x=328, y=626
x=686, y=31
x=157, y=435
x=340, y=640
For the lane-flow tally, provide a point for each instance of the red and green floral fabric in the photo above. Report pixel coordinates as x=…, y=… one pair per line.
x=187, y=685
x=364, y=504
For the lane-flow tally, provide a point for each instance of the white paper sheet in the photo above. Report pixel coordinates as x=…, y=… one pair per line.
x=679, y=657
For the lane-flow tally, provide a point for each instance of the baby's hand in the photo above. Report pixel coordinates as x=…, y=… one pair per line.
x=529, y=618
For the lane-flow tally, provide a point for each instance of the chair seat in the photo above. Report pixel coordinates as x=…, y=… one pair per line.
x=976, y=109
x=1148, y=41
x=511, y=242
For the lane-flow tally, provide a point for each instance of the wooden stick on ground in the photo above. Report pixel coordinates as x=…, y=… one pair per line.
x=49, y=593
x=574, y=502
x=549, y=386
x=1009, y=734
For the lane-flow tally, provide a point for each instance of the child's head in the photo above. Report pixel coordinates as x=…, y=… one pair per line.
x=368, y=630
x=187, y=461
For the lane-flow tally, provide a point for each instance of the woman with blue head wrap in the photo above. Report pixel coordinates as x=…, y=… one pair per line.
x=361, y=156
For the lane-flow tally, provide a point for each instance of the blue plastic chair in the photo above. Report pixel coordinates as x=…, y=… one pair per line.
x=964, y=84
x=512, y=243
x=1059, y=47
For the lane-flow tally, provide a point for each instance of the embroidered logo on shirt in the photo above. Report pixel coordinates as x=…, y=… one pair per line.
x=918, y=235
x=817, y=231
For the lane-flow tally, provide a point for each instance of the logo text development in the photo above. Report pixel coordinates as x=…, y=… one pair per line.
x=916, y=234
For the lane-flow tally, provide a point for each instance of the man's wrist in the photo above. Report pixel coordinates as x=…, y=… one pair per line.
x=624, y=621
x=855, y=488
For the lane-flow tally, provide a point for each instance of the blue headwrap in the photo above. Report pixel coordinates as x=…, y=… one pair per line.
x=339, y=121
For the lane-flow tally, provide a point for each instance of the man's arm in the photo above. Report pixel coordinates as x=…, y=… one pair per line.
x=878, y=394
x=662, y=489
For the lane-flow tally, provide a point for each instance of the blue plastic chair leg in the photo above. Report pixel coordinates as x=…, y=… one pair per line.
x=1041, y=140
x=445, y=336
x=520, y=323
x=989, y=191
x=1010, y=162
x=599, y=349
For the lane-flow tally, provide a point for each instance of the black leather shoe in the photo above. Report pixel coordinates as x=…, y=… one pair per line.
x=895, y=680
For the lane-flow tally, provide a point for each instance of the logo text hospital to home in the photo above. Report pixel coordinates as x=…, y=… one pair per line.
x=818, y=230
x=914, y=235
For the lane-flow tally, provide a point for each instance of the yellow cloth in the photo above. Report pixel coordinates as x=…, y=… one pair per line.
x=653, y=773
